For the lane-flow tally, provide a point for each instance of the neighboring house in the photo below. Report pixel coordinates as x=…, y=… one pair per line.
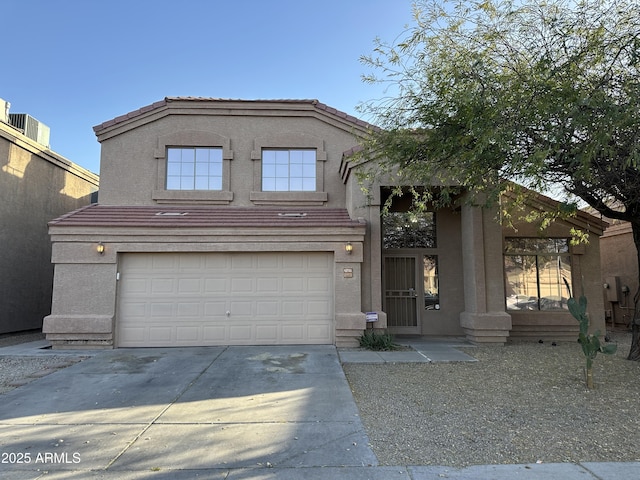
x=242, y=222
x=36, y=185
x=619, y=272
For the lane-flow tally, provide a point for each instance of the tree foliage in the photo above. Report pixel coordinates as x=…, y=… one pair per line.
x=486, y=93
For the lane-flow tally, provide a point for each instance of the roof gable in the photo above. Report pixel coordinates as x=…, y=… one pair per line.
x=220, y=106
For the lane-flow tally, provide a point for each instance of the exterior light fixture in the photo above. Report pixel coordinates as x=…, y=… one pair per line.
x=100, y=248
x=348, y=248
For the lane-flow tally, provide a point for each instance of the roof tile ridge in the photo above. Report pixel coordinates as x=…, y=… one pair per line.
x=129, y=115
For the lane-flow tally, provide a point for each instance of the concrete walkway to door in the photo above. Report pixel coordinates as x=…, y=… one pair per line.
x=422, y=350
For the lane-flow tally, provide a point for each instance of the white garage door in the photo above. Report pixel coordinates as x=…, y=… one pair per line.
x=189, y=299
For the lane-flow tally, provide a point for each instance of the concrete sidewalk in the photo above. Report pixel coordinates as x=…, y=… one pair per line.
x=212, y=413
x=422, y=350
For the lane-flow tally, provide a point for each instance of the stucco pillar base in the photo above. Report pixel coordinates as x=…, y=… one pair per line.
x=349, y=328
x=79, y=331
x=490, y=328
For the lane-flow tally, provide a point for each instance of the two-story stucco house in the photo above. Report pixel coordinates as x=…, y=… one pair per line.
x=242, y=222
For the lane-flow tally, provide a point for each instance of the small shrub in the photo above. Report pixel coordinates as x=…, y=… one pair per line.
x=373, y=340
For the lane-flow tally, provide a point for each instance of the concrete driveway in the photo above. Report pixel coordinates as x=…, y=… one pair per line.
x=215, y=412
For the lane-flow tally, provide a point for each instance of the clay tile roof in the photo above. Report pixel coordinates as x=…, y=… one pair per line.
x=96, y=215
x=167, y=100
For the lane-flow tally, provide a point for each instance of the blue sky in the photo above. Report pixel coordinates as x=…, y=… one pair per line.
x=73, y=64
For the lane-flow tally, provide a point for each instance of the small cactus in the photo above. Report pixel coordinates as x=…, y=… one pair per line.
x=590, y=342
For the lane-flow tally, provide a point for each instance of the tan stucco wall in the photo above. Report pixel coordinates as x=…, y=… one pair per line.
x=619, y=270
x=138, y=152
x=36, y=186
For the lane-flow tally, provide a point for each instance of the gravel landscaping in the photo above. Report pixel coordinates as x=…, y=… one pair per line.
x=18, y=370
x=521, y=403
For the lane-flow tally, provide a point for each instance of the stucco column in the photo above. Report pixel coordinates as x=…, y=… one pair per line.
x=84, y=289
x=484, y=319
x=350, y=320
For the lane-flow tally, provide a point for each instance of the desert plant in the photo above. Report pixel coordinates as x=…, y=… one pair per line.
x=373, y=340
x=590, y=342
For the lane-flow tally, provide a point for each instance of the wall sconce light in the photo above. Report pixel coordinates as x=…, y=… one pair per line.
x=606, y=286
x=100, y=248
x=348, y=248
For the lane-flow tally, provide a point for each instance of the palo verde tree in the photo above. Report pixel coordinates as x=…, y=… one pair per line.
x=544, y=94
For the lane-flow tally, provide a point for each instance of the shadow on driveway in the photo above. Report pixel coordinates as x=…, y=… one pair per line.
x=187, y=408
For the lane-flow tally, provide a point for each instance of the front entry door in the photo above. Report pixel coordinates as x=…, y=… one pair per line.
x=401, y=294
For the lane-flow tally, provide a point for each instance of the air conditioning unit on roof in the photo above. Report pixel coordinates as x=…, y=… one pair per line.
x=31, y=127
x=4, y=111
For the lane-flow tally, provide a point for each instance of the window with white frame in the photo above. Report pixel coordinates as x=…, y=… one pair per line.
x=194, y=168
x=288, y=170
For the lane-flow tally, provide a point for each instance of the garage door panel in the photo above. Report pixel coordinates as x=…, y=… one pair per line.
x=183, y=299
x=268, y=332
x=316, y=332
x=268, y=262
x=161, y=263
x=212, y=309
x=293, y=333
x=240, y=262
x=241, y=285
x=240, y=309
x=159, y=285
x=188, y=263
x=318, y=308
x=159, y=310
x=293, y=284
x=290, y=308
x=191, y=309
x=268, y=285
x=267, y=308
x=318, y=285
x=240, y=334
x=215, y=285
x=159, y=335
x=137, y=285
x=189, y=334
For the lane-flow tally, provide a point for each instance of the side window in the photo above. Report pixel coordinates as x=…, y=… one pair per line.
x=194, y=168
x=535, y=271
x=286, y=170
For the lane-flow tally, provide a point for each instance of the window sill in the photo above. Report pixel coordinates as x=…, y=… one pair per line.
x=205, y=197
x=289, y=198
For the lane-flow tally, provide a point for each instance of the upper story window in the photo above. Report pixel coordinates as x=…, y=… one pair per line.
x=535, y=271
x=288, y=170
x=194, y=168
